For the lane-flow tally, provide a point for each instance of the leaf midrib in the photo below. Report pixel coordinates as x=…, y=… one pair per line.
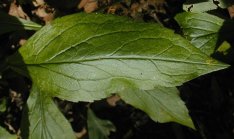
x=128, y=58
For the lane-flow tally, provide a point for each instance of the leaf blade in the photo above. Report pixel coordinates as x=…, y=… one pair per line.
x=4, y=134
x=161, y=104
x=201, y=29
x=205, y=5
x=108, y=49
x=45, y=119
x=10, y=23
x=98, y=128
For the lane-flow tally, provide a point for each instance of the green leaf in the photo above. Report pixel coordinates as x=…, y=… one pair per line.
x=6, y=135
x=10, y=23
x=224, y=48
x=79, y=57
x=45, y=119
x=98, y=128
x=161, y=104
x=206, y=5
x=3, y=103
x=201, y=29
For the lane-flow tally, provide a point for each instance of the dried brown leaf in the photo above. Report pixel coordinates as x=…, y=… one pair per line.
x=45, y=13
x=80, y=134
x=113, y=100
x=231, y=11
x=16, y=10
x=38, y=2
x=88, y=5
x=82, y=3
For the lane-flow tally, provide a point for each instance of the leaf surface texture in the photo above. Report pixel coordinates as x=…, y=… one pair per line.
x=43, y=120
x=85, y=57
x=201, y=29
x=98, y=128
x=161, y=104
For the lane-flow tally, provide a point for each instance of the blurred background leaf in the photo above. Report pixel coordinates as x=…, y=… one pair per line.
x=6, y=135
x=206, y=5
x=201, y=29
x=10, y=23
x=98, y=128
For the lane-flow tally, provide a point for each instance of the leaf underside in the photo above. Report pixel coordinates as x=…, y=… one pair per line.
x=205, y=5
x=201, y=29
x=45, y=121
x=79, y=57
x=161, y=104
x=98, y=128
